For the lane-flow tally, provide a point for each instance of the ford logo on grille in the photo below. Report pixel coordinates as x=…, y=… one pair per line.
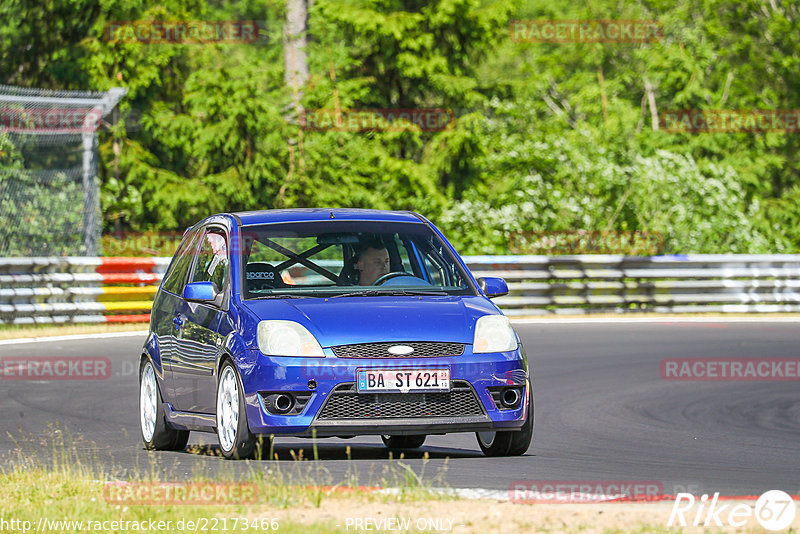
x=399, y=350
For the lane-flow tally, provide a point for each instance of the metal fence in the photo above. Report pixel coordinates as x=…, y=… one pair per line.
x=64, y=290
x=49, y=191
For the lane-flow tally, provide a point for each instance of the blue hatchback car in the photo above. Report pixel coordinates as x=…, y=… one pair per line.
x=324, y=323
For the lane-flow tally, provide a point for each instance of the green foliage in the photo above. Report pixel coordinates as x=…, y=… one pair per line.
x=40, y=42
x=10, y=158
x=549, y=137
x=38, y=210
x=553, y=183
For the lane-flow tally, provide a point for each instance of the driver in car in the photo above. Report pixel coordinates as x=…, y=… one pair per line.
x=373, y=262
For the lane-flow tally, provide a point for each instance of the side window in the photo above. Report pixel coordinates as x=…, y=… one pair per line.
x=440, y=267
x=212, y=260
x=435, y=269
x=401, y=249
x=175, y=278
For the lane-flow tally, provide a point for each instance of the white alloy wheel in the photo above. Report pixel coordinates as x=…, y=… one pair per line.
x=148, y=402
x=227, y=409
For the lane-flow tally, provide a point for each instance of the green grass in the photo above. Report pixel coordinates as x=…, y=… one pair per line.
x=72, y=494
x=50, y=477
x=58, y=477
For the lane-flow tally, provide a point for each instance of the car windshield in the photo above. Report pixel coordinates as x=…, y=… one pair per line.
x=348, y=258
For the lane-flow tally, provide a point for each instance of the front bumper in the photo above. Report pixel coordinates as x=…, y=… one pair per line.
x=398, y=427
x=287, y=374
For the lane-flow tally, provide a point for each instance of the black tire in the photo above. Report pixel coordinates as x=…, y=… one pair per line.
x=510, y=442
x=404, y=442
x=521, y=440
x=164, y=438
x=494, y=443
x=246, y=445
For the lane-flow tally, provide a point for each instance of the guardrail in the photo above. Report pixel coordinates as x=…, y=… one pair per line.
x=699, y=283
x=77, y=290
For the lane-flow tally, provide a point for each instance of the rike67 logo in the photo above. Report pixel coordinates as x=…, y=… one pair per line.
x=774, y=510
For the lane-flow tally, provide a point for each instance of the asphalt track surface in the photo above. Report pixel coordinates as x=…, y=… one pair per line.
x=603, y=412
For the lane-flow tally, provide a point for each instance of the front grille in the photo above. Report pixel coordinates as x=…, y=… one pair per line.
x=345, y=402
x=422, y=349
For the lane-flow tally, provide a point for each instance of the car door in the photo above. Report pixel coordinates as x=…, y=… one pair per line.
x=164, y=314
x=199, y=345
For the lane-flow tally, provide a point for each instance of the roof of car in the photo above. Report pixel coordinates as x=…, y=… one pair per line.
x=323, y=214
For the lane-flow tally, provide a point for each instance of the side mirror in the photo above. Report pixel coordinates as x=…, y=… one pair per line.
x=493, y=287
x=206, y=292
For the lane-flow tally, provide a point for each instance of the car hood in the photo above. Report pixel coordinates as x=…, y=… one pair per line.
x=346, y=320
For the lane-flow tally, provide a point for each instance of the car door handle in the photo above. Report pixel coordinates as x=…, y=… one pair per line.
x=178, y=322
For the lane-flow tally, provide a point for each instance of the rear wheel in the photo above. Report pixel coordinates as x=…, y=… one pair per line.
x=509, y=442
x=235, y=439
x=156, y=433
x=403, y=442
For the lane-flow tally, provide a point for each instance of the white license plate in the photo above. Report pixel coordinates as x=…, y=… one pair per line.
x=402, y=380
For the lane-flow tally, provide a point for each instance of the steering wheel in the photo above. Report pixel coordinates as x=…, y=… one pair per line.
x=388, y=276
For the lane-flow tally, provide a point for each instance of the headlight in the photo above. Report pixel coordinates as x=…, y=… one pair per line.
x=493, y=333
x=287, y=338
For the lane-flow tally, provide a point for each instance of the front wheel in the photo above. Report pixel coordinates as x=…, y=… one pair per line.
x=509, y=442
x=494, y=443
x=403, y=442
x=235, y=439
x=156, y=433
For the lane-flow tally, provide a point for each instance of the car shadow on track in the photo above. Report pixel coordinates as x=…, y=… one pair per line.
x=342, y=451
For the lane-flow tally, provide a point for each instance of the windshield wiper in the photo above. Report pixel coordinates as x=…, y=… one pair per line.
x=390, y=292
x=283, y=296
